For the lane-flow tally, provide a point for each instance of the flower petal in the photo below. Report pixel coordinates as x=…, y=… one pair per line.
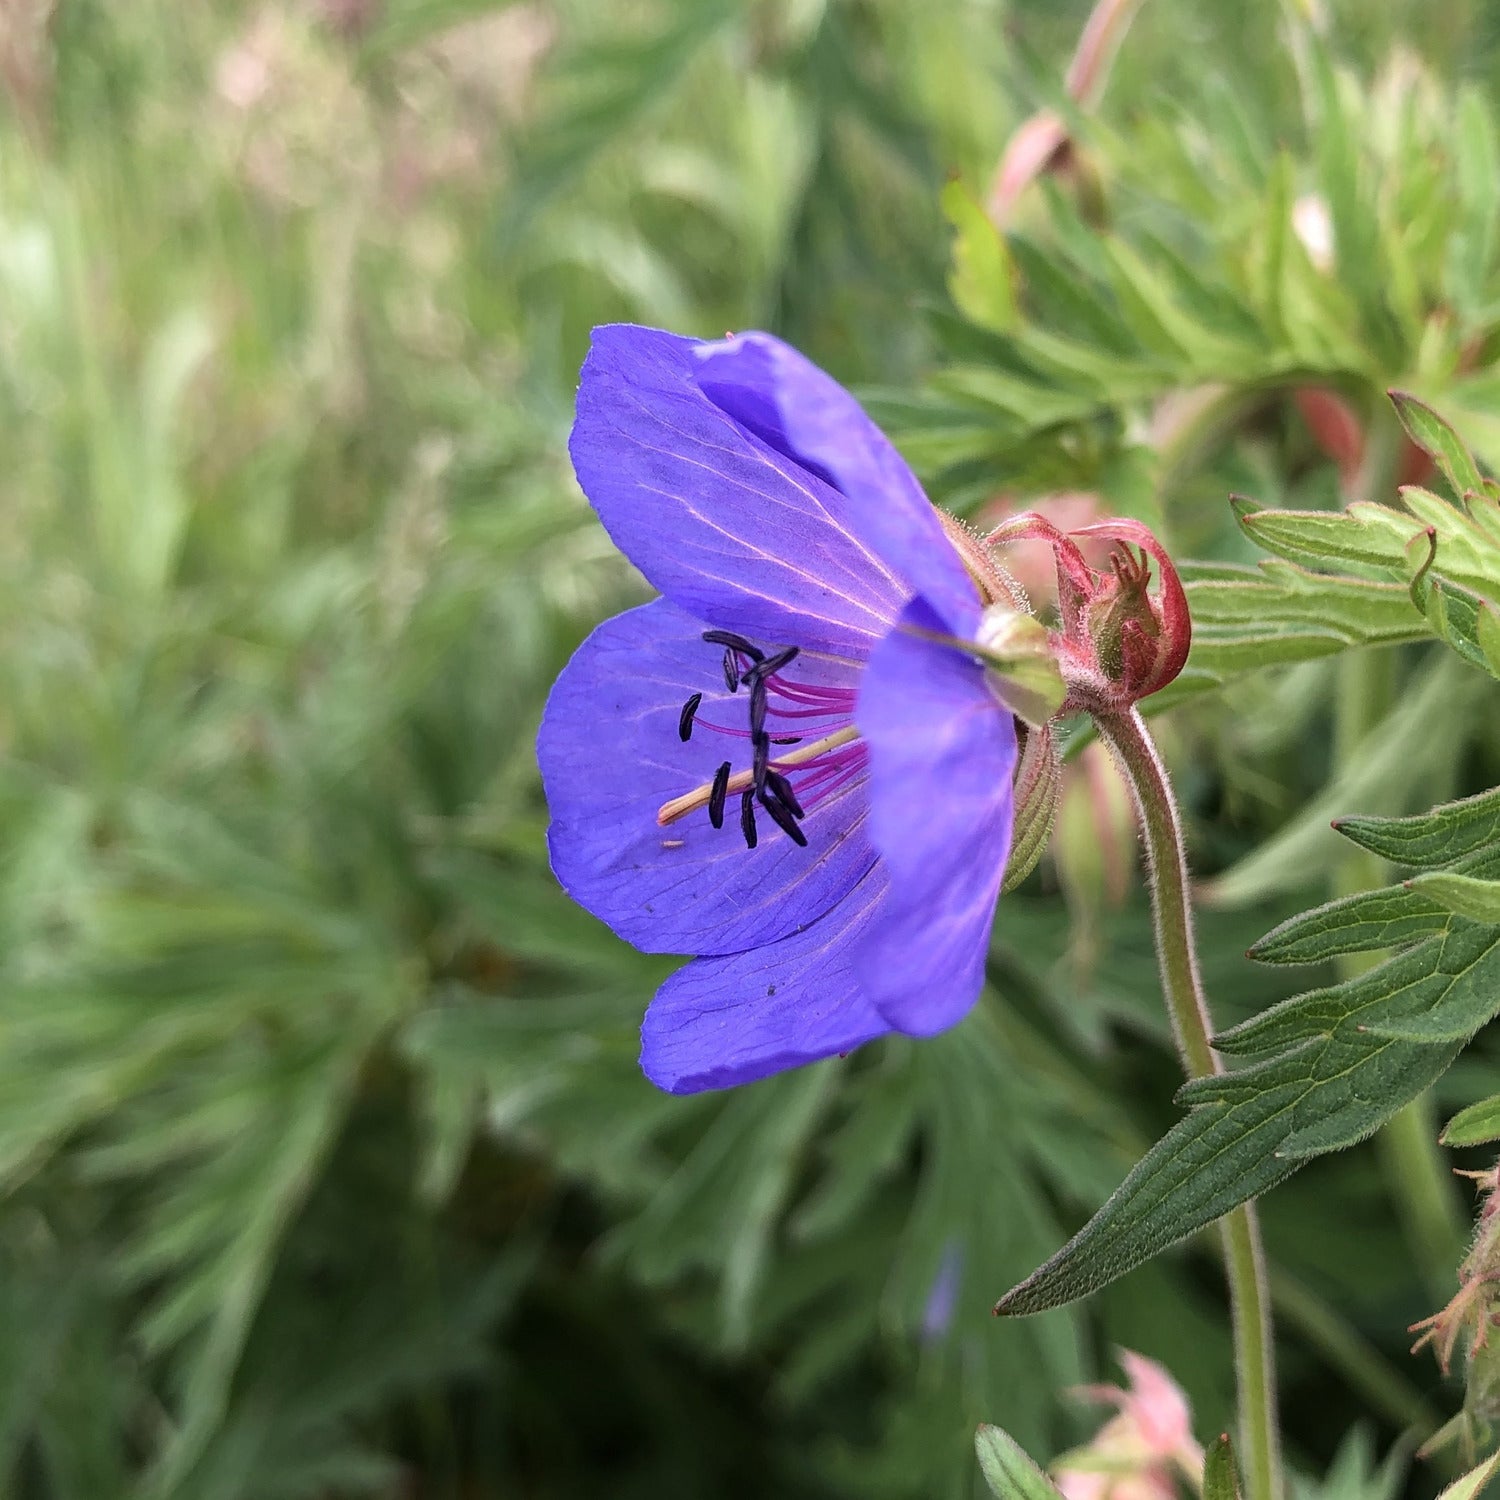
x=722, y=1021
x=610, y=755
x=942, y=754
x=729, y=529
x=806, y=414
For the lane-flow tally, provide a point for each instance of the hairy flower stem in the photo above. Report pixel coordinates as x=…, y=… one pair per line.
x=1176, y=952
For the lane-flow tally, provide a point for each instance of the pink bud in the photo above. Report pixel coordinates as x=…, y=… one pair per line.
x=1042, y=141
x=1117, y=642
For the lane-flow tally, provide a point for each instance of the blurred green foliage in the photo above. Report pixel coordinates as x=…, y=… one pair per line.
x=325, y=1166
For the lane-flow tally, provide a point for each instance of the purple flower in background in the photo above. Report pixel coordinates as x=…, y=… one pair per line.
x=776, y=766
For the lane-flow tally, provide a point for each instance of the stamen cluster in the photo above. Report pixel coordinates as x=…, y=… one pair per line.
x=745, y=664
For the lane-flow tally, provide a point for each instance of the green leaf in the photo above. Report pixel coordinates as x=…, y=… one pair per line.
x=1220, y=1482
x=1464, y=894
x=1440, y=837
x=1366, y=612
x=1154, y=317
x=1343, y=1061
x=1487, y=636
x=1344, y=174
x=1392, y=917
x=1008, y=1469
x=1279, y=613
x=1372, y=535
x=982, y=281
x=1435, y=437
x=1333, y=1063
x=1067, y=299
x=1475, y=1126
x=1471, y=251
x=1440, y=990
x=1251, y=1134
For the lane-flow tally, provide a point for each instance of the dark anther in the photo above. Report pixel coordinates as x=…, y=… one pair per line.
x=759, y=771
x=747, y=817
x=717, y=795
x=735, y=643
x=770, y=788
x=773, y=664
x=685, y=718
x=781, y=815
x=757, y=708
x=780, y=788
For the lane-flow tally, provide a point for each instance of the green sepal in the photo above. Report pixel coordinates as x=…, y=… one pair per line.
x=1021, y=668
x=1038, y=782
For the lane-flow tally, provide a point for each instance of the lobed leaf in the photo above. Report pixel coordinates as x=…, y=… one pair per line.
x=1468, y=895
x=1443, y=988
x=1442, y=836
x=1364, y=611
x=1392, y=917
x=1344, y=1060
x=1258, y=1128
x=1364, y=533
x=1435, y=437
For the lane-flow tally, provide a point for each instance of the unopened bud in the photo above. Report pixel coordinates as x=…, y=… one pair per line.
x=1038, y=780
x=1117, y=642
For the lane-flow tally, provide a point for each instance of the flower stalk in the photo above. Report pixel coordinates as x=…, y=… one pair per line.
x=1126, y=735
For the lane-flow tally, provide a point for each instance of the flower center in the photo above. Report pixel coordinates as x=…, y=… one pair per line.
x=783, y=785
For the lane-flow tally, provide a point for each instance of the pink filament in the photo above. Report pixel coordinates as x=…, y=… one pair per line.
x=817, y=780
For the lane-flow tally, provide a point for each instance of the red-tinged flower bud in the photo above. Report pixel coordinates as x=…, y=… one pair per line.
x=1117, y=642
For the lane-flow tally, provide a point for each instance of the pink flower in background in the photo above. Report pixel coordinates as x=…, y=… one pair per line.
x=1043, y=141
x=1142, y=1450
x=243, y=73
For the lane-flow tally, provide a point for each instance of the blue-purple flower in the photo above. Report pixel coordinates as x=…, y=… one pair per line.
x=782, y=766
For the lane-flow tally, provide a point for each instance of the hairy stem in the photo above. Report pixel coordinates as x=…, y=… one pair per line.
x=1177, y=954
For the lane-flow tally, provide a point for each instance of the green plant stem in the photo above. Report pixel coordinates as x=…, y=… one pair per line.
x=1176, y=951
